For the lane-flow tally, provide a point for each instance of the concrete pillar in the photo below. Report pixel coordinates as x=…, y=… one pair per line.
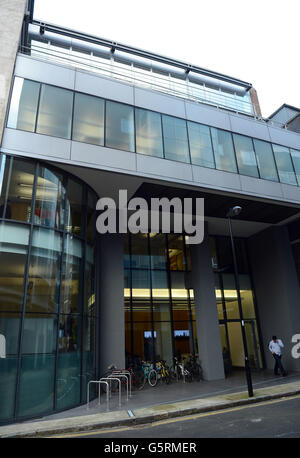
x=277, y=290
x=207, y=322
x=11, y=19
x=111, y=294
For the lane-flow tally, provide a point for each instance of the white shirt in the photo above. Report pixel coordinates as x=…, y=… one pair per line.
x=276, y=346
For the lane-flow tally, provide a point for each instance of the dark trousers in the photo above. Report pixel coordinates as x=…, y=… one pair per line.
x=278, y=364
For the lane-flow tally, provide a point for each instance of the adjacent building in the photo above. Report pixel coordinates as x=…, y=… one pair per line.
x=82, y=118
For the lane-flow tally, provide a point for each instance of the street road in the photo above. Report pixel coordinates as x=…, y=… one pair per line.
x=278, y=418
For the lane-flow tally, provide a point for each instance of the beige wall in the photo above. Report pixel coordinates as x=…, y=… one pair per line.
x=11, y=17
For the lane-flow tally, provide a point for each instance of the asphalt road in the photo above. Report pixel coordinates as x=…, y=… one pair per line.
x=278, y=418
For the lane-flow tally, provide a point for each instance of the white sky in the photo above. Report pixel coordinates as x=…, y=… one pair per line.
x=257, y=41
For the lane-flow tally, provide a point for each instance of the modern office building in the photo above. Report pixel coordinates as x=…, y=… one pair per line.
x=82, y=118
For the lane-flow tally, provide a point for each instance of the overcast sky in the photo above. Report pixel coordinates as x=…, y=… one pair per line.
x=256, y=41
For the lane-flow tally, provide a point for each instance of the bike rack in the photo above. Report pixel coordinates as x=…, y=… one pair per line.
x=119, y=382
x=124, y=372
x=107, y=393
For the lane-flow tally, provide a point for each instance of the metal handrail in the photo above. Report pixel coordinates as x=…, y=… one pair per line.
x=135, y=77
x=107, y=392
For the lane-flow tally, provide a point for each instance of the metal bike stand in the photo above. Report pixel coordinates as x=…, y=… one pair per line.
x=107, y=393
x=126, y=372
x=121, y=374
x=119, y=382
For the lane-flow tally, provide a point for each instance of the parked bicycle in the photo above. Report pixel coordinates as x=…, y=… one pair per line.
x=180, y=372
x=194, y=367
x=163, y=372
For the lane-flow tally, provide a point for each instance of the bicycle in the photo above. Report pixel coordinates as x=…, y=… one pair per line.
x=179, y=372
x=150, y=373
x=163, y=372
x=195, y=369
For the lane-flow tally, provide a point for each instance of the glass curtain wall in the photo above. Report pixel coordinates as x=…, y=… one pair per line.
x=47, y=289
x=58, y=112
x=227, y=303
x=159, y=309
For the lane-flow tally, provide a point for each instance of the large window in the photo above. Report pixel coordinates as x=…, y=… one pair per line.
x=200, y=145
x=119, y=126
x=284, y=165
x=227, y=302
x=23, y=105
x=265, y=160
x=88, y=122
x=46, y=109
x=224, y=152
x=175, y=139
x=48, y=316
x=148, y=133
x=55, y=112
x=245, y=155
x=157, y=301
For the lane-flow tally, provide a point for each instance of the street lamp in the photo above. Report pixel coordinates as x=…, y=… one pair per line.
x=235, y=211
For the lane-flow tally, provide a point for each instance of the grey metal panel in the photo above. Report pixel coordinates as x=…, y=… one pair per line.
x=291, y=192
x=257, y=186
x=103, y=87
x=284, y=137
x=38, y=70
x=250, y=127
x=101, y=156
x=216, y=178
x=35, y=144
x=207, y=115
x=163, y=168
x=152, y=100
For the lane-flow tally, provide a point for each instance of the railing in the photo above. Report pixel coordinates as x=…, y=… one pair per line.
x=182, y=88
x=116, y=375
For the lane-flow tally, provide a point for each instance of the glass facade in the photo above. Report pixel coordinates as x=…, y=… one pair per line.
x=47, y=292
x=159, y=309
x=227, y=303
x=49, y=110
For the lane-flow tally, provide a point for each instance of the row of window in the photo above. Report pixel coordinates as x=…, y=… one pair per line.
x=58, y=112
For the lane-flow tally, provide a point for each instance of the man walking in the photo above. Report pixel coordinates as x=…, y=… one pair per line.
x=275, y=347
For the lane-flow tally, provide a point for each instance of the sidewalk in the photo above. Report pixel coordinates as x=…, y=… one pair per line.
x=157, y=403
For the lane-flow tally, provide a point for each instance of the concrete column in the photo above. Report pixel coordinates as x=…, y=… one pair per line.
x=207, y=322
x=11, y=19
x=111, y=292
x=277, y=290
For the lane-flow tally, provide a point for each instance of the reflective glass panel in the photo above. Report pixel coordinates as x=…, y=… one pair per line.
x=9, y=338
x=265, y=160
x=71, y=275
x=55, y=112
x=14, y=240
x=49, y=199
x=91, y=217
x=224, y=152
x=148, y=132
x=284, y=165
x=139, y=251
x=163, y=342
x=44, y=272
x=38, y=362
x=176, y=252
x=119, y=126
x=16, y=184
x=245, y=155
x=158, y=251
x=88, y=121
x=74, y=210
x=175, y=139
x=296, y=161
x=23, y=105
x=200, y=145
